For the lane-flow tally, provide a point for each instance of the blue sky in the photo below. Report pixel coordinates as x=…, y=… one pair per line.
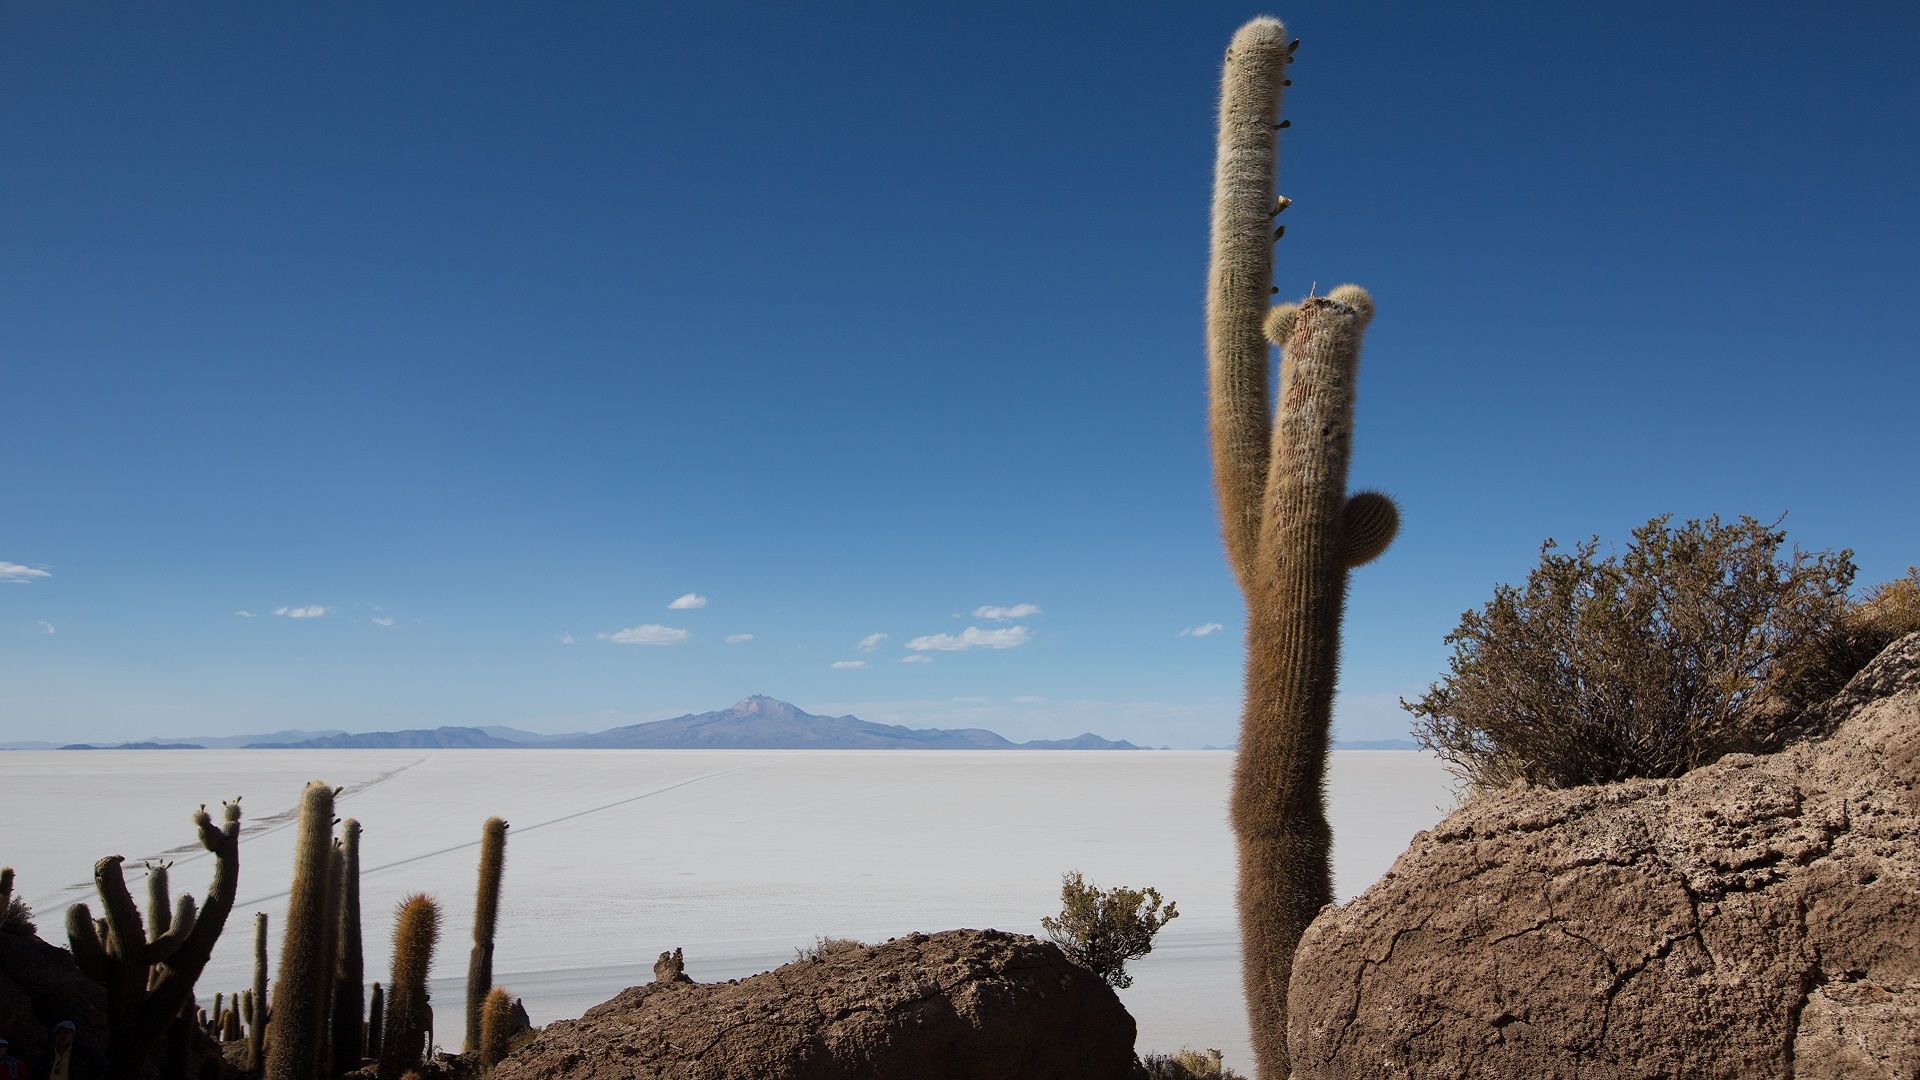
x=507, y=323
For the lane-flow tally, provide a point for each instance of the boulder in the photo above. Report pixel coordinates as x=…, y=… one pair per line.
x=40, y=986
x=1759, y=917
x=948, y=1006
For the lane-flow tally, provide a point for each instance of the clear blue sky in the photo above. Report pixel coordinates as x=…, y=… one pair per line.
x=508, y=323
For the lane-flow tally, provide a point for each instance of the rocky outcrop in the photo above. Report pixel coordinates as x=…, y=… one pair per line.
x=1759, y=917
x=951, y=1006
x=40, y=986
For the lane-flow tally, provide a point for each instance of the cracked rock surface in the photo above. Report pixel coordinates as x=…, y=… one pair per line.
x=947, y=1006
x=1759, y=917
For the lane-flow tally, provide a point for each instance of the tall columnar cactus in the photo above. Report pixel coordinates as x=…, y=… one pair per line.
x=486, y=912
x=149, y=980
x=256, y=1003
x=349, y=969
x=416, y=929
x=1291, y=530
x=304, y=988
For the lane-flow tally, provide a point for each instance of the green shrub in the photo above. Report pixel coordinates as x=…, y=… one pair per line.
x=1101, y=931
x=1187, y=1065
x=1697, y=642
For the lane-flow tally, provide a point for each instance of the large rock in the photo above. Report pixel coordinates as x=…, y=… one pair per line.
x=1759, y=917
x=40, y=986
x=950, y=1006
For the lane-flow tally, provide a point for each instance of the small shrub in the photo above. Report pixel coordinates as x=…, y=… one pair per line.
x=1697, y=642
x=1187, y=1065
x=1101, y=931
x=17, y=918
x=824, y=947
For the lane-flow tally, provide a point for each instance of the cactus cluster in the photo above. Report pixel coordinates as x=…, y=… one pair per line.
x=1292, y=532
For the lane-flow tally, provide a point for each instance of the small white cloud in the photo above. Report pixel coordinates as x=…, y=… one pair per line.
x=847, y=665
x=972, y=637
x=647, y=634
x=1003, y=614
x=871, y=642
x=1201, y=631
x=311, y=611
x=12, y=573
x=245, y=614
x=688, y=602
x=383, y=620
x=46, y=628
x=739, y=639
x=566, y=639
x=917, y=658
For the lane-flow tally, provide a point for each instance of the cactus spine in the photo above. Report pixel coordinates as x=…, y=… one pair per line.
x=1291, y=531
x=301, y=993
x=349, y=969
x=416, y=929
x=496, y=1028
x=486, y=912
x=149, y=981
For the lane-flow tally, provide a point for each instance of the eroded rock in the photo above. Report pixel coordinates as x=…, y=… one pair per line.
x=1759, y=917
x=951, y=1006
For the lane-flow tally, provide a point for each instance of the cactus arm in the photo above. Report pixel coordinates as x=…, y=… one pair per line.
x=126, y=934
x=1239, y=283
x=84, y=939
x=1369, y=524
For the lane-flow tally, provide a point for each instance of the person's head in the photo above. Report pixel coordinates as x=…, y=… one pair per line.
x=4, y=1048
x=63, y=1034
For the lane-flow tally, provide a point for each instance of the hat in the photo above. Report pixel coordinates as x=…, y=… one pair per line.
x=3, y=1041
x=64, y=1025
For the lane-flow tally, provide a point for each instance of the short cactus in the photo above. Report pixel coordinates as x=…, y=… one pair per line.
x=496, y=1028
x=376, y=1020
x=416, y=930
x=1291, y=531
x=256, y=998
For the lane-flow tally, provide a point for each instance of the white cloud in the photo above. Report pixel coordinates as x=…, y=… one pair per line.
x=46, y=628
x=917, y=658
x=1002, y=614
x=972, y=637
x=311, y=611
x=245, y=614
x=647, y=634
x=383, y=620
x=12, y=573
x=1201, y=631
x=688, y=602
x=871, y=642
x=566, y=639
x=847, y=665
x=739, y=639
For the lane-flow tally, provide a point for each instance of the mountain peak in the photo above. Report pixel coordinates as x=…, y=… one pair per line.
x=762, y=705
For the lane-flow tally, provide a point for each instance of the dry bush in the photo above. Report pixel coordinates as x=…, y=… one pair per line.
x=1187, y=1065
x=17, y=917
x=824, y=947
x=1696, y=642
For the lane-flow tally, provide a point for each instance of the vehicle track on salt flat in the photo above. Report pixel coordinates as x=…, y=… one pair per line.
x=522, y=830
x=191, y=853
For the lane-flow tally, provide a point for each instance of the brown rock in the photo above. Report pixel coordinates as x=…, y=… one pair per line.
x=951, y=1006
x=1759, y=917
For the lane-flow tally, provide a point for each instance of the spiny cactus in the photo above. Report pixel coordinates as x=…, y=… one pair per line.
x=1291, y=531
x=256, y=1000
x=416, y=929
x=349, y=972
x=149, y=981
x=304, y=988
x=486, y=912
x=496, y=1028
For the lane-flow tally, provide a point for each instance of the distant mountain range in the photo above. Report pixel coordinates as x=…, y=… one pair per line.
x=756, y=723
